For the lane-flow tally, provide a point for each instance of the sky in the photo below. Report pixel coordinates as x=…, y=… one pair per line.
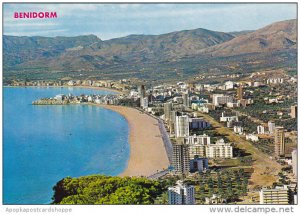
x=117, y=20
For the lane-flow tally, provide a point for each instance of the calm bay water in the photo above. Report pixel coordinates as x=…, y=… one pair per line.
x=43, y=144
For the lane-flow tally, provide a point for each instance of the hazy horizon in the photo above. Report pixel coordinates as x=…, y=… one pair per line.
x=109, y=21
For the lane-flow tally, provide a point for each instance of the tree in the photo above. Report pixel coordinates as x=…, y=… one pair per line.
x=210, y=187
x=99, y=189
x=220, y=185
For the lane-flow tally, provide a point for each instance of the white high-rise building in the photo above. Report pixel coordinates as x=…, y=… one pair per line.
x=167, y=110
x=202, y=147
x=279, y=141
x=219, y=150
x=186, y=99
x=182, y=126
x=144, y=102
x=181, y=194
x=181, y=158
x=271, y=127
x=229, y=85
x=197, y=144
x=220, y=99
x=197, y=139
x=295, y=162
x=260, y=129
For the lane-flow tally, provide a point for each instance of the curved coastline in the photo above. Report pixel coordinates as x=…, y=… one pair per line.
x=147, y=152
x=65, y=86
x=48, y=161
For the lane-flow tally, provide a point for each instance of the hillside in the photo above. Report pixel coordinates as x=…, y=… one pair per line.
x=187, y=52
x=91, y=53
x=18, y=50
x=274, y=37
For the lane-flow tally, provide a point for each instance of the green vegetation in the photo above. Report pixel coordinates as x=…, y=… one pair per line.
x=292, y=72
x=100, y=189
x=278, y=112
x=265, y=145
x=248, y=125
x=229, y=184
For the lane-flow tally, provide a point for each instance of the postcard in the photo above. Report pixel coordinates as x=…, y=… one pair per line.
x=162, y=103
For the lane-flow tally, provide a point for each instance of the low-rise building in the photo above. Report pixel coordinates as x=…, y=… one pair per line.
x=252, y=137
x=238, y=129
x=198, y=123
x=198, y=164
x=233, y=105
x=278, y=195
x=260, y=129
x=221, y=99
x=224, y=118
x=215, y=199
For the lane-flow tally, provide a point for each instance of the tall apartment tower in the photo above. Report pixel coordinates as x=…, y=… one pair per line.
x=279, y=143
x=295, y=162
x=182, y=126
x=181, y=158
x=239, y=92
x=142, y=94
x=172, y=120
x=293, y=111
x=142, y=90
x=181, y=194
x=186, y=100
x=167, y=111
x=271, y=127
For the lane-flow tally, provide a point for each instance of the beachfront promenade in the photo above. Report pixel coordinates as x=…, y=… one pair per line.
x=166, y=139
x=164, y=135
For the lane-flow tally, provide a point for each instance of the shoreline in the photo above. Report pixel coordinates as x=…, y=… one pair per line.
x=147, y=154
x=65, y=86
x=147, y=151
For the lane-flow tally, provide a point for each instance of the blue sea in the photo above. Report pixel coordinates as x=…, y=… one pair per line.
x=43, y=144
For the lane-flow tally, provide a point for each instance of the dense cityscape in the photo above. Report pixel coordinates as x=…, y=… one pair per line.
x=222, y=149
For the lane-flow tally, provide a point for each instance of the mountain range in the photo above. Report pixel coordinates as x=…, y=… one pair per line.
x=184, y=51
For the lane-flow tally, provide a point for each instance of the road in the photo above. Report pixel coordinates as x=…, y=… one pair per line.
x=265, y=169
x=158, y=174
x=166, y=139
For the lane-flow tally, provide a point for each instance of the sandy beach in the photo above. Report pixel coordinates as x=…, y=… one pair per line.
x=147, y=151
